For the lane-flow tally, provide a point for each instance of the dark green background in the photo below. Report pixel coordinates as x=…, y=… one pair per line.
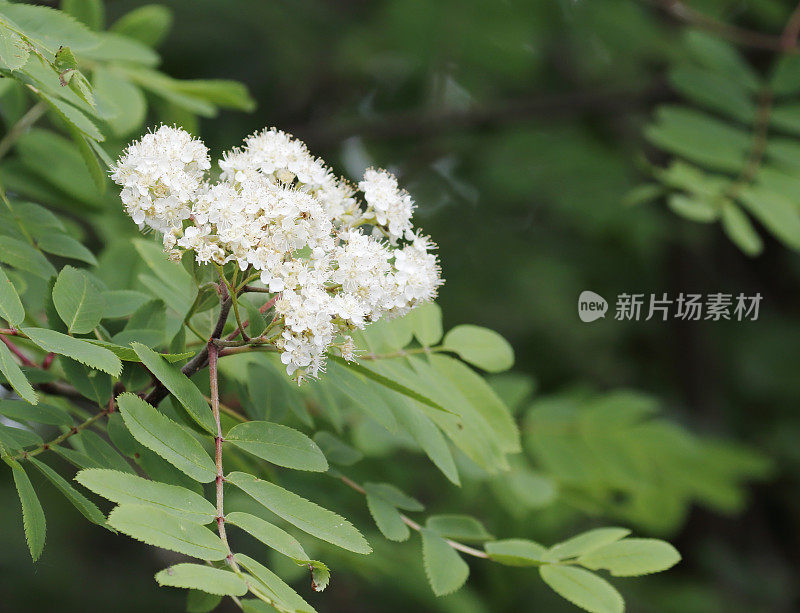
x=517, y=127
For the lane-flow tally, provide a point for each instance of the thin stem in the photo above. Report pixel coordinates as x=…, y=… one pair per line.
x=19, y=128
x=254, y=289
x=471, y=551
x=213, y=352
x=791, y=31
x=15, y=350
x=159, y=392
x=262, y=309
x=226, y=409
x=246, y=349
x=234, y=301
x=742, y=36
x=60, y=439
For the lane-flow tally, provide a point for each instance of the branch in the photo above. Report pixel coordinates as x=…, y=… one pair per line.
x=471, y=551
x=60, y=439
x=742, y=36
x=159, y=392
x=413, y=124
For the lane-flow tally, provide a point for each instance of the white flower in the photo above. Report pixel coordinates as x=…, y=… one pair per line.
x=161, y=176
x=280, y=212
x=392, y=206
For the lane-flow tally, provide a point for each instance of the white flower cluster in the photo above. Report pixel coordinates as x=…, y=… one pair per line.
x=279, y=211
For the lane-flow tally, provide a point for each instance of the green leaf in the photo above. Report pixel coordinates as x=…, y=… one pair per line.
x=123, y=302
x=87, y=152
x=24, y=257
x=430, y=438
x=586, y=542
x=699, y=137
x=17, y=438
x=516, y=552
x=112, y=87
x=721, y=57
x=785, y=79
x=201, y=602
x=32, y=513
x=73, y=117
x=166, y=438
x=257, y=323
x=739, y=229
x=122, y=487
x=269, y=534
x=320, y=576
x=148, y=24
x=95, y=385
x=116, y=48
x=632, y=557
x=779, y=214
x=86, y=507
x=55, y=159
x=582, y=588
x=11, y=308
x=129, y=355
x=336, y=450
x=161, y=529
x=14, y=51
x=75, y=348
x=426, y=322
x=205, y=578
x=220, y=92
x=458, y=527
x=79, y=304
x=101, y=451
x=171, y=275
x=394, y=496
x=387, y=518
x=278, y=444
x=445, y=569
x=273, y=584
x=482, y=397
x=714, y=91
x=14, y=375
x=179, y=385
x=389, y=383
x=19, y=410
x=481, y=347
x=90, y=12
x=693, y=208
x=65, y=246
x=298, y=511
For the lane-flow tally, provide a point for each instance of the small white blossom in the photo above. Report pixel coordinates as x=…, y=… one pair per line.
x=161, y=176
x=392, y=206
x=280, y=212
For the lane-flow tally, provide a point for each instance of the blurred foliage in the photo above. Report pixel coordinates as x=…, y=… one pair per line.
x=519, y=127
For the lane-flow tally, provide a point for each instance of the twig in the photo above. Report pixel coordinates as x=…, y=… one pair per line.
x=471, y=551
x=21, y=356
x=19, y=128
x=262, y=309
x=414, y=124
x=60, y=439
x=791, y=31
x=742, y=36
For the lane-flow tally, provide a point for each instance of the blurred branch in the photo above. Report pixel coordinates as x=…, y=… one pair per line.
x=415, y=124
x=742, y=36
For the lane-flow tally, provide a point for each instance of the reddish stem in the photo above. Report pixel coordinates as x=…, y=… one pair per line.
x=263, y=309
x=15, y=350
